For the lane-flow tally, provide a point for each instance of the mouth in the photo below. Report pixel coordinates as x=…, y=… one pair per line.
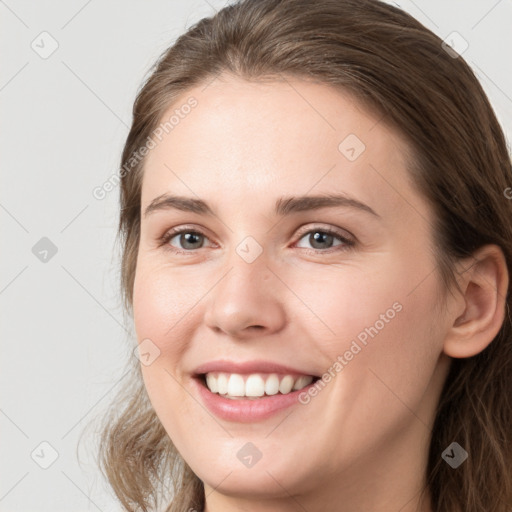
x=253, y=386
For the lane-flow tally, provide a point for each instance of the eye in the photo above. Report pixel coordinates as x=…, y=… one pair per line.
x=188, y=238
x=191, y=239
x=319, y=238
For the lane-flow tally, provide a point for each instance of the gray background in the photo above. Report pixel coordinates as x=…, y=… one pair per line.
x=65, y=117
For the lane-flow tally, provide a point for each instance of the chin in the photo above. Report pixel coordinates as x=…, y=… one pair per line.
x=274, y=477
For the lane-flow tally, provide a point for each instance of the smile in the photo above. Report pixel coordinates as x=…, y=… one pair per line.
x=255, y=385
x=242, y=408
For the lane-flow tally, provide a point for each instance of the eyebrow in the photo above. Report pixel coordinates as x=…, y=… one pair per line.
x=284, y=205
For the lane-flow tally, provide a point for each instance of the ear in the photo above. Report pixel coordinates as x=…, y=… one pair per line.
x=481, y=309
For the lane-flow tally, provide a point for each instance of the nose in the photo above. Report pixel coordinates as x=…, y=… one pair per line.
x=247, y=300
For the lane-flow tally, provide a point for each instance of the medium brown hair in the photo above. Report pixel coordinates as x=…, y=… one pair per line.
x=394, y=65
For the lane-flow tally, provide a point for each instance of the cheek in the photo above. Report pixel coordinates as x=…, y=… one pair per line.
x=167, y=310
x=399, y=347
x=161, y=302
x=381, y=323
x=162, y=307
x=381, y=359
x=351, y=302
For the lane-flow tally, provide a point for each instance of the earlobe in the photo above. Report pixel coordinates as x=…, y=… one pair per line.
x=484, y=286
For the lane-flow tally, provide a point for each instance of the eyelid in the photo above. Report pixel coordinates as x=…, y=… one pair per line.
x=339, y=232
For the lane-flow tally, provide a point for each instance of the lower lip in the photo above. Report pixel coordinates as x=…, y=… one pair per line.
x=247, y=411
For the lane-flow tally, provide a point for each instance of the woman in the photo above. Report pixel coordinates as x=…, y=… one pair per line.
x=278, y=373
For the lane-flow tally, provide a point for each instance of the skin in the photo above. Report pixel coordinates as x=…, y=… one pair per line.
x=361, y=444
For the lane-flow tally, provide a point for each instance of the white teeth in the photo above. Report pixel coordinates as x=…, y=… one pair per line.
x=272, y=384
x=236, y=386
x=254, y=385
x=302, y=382
x=222, y=384
x=211, y=381
x=286, y=385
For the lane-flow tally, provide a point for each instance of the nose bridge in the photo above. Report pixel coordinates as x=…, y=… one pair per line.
x=248, y=268
x=250, y=251
x=243, y=297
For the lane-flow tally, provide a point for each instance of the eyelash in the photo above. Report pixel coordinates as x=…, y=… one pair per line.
x=345, y=246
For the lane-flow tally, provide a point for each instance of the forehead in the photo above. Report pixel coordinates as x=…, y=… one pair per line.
x=247, y=140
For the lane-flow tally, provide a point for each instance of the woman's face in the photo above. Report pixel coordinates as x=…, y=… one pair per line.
x=266, y=289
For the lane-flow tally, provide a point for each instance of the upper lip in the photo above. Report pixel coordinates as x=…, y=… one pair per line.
x=244, y=367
